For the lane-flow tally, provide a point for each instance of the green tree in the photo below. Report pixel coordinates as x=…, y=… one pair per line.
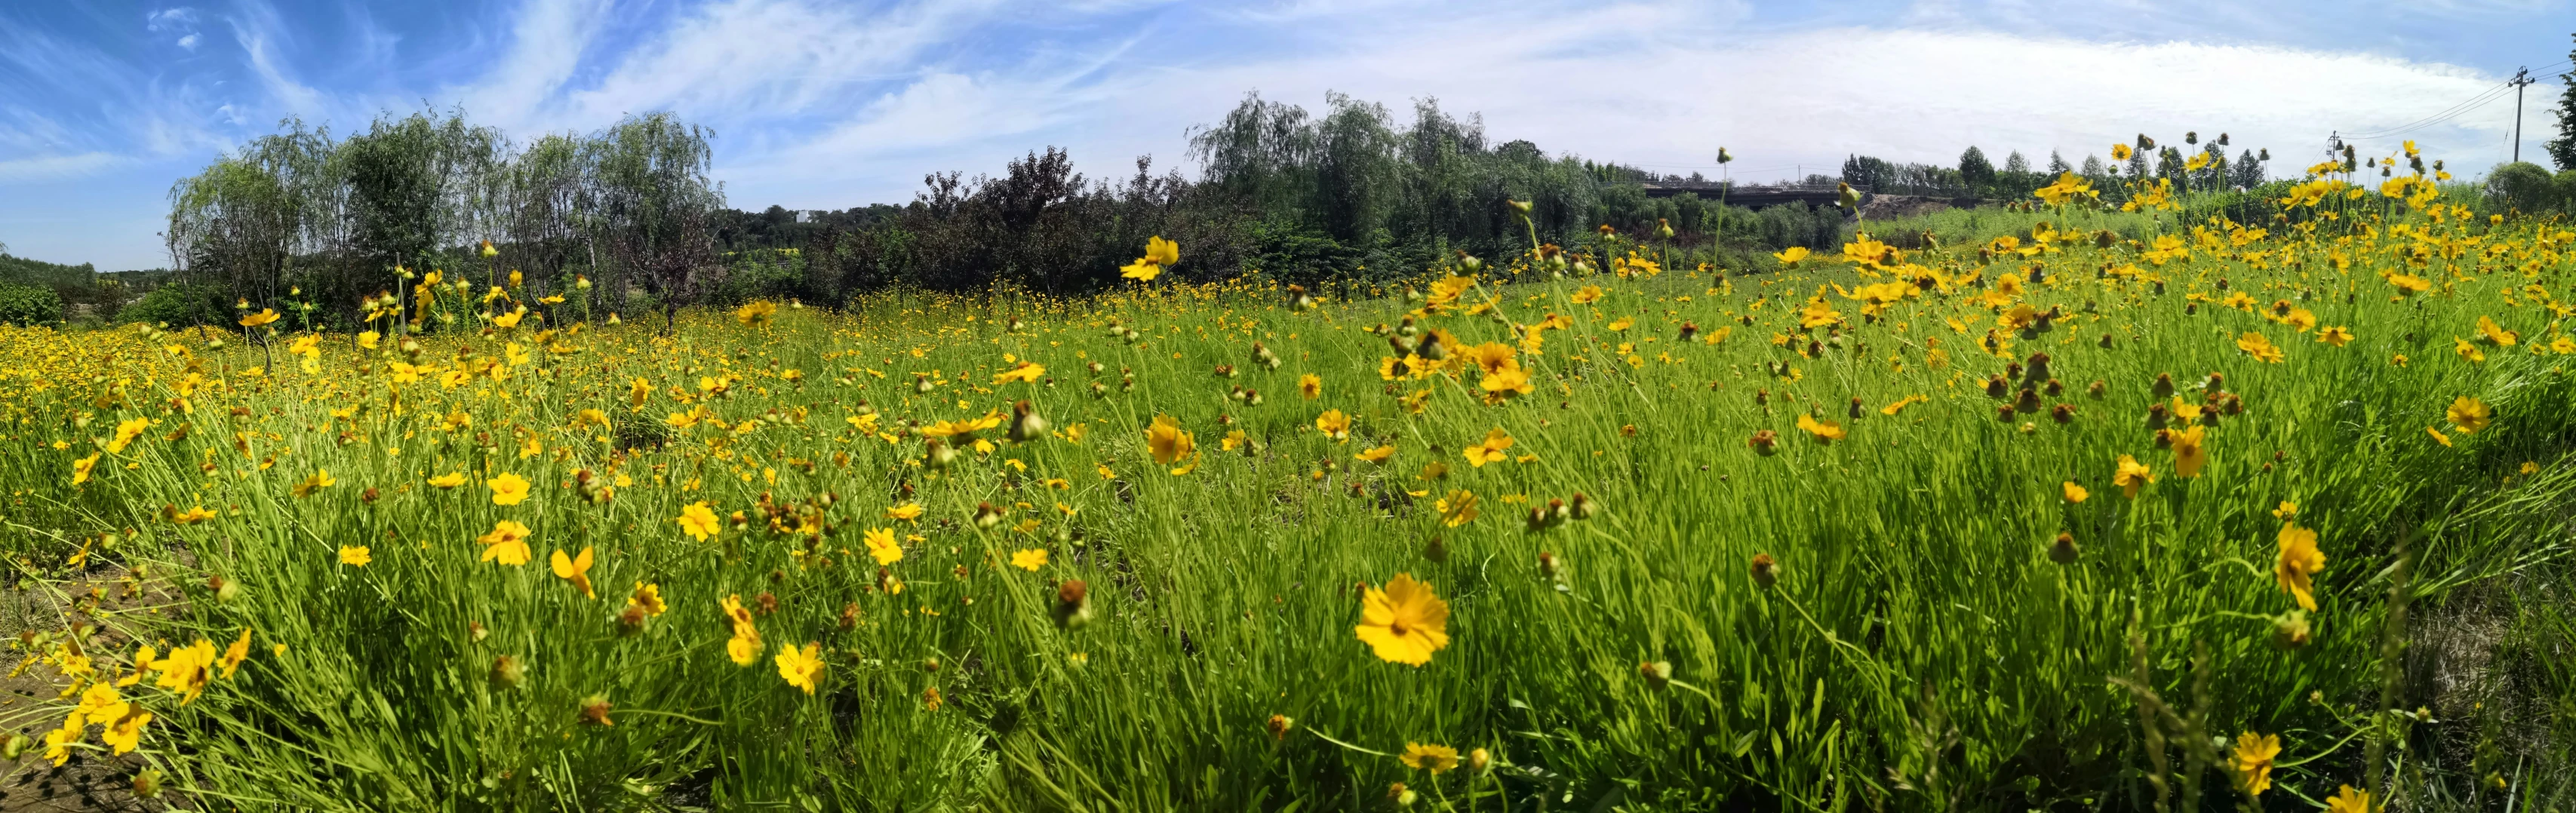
x=1975, y=170
x=650, y=192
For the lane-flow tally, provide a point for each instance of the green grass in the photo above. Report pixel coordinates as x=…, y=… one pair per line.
x=1919, y=651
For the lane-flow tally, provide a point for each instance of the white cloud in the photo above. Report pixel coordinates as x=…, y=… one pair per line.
x=756, y=60
x=51, y=167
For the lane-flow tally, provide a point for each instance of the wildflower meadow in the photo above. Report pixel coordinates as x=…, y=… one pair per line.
x=2065, y=507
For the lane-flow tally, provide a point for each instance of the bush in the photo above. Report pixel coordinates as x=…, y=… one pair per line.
x=178, y=306
x=28, y=305
x=2522, y=185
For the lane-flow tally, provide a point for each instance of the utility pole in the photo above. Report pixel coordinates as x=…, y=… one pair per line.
x=2520, y=78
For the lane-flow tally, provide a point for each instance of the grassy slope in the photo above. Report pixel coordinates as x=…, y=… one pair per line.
x=1919, y=648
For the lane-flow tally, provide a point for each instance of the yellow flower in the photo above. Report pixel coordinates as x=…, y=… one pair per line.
x=1029, y=560
x=1310, y=386
x=1026, y=372
x=1377, y=455
x=800, y=667
x=1505, y=383
x=1169, y=444
x=2348, y=800
x=192, y=516
x=59, y=742
x=910, y=510
x=2261, y=348
x=1791, y=255
x=2119, y=152
x=263, y=317
x=2468, y=351
x=1825, y=432
x=82, y=467
x=699, y=521
x=755, y=313
x=1459, y=508
x=1587, y=295
x=235, y=653
x=2074, y=493
x=355, y=555
x=1493, y=357
x=575, y=569
x=2298, y=564
x=2337, y=336
x=1140, y=271
x=1490, y=450
x=2496, y=334
x=2470, y=414
x=508, y=319
x=508, y=489
x=1162, y=252
x=368, y=339
x=744, y=647
x=320, y=480
x=1405, y=622
x=2189, y=452
x=2252, y=761
x=2409, y=284
x=449, y=480
x=508, y=543
x=648, y=598
x=1332, y=423
x=125, y=731
x=187, y=669
x=2438, y=437
x=2131, y=476
x=126, y=432
x=1434, y=758
x=881, y=545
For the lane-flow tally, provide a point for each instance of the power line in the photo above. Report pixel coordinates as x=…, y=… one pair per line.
x=2454, y=111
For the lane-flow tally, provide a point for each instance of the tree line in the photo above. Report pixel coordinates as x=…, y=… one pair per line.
x=314, y=224
x=1977, y=176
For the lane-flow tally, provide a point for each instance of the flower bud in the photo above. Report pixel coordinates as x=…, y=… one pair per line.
x=1766, y=571
x=147, y=783
x=1073, y=605
x=594, y=710
x=2291, y=630
x=1026, y=424
x=1279, y=725
x=1765, y=442
x=1479, y=760
x=1658, y=673
x=508, y=672
x=2064, y=551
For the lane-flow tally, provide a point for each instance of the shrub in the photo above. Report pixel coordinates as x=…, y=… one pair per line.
x=2522, y=185
x=178, y=306
x=28, y=305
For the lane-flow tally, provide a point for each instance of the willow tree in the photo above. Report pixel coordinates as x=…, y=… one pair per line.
x=243, y=222
x=649, y=192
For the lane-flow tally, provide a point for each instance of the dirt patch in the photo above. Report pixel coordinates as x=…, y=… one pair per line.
x=91, y=780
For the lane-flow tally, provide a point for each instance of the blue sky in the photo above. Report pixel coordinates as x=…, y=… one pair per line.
x=823, y=104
